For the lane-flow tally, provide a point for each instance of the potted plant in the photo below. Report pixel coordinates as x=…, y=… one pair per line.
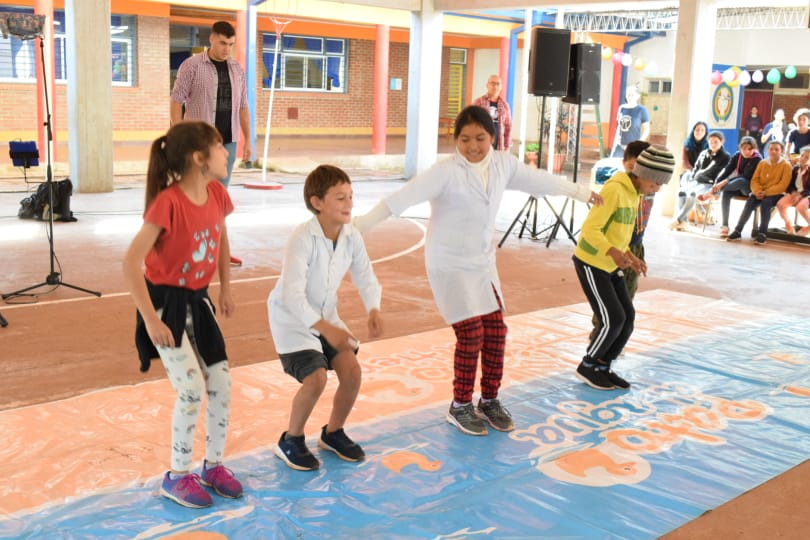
x=532, y=150
x=560, y=136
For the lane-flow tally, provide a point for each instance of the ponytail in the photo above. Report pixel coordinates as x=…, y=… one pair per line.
x=157, y=174
x=171, y=155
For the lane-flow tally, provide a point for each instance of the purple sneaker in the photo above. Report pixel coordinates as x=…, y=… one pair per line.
x=222, y=480
x=186, y=491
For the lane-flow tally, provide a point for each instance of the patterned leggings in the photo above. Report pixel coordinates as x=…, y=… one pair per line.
x=485, y=336
x=191, y=378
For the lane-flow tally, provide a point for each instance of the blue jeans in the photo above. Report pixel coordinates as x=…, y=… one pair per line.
x=231, y=147
x=690, y=188
x=738, y=186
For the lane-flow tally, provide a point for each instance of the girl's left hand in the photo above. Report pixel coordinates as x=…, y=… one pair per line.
x=226, y=304
x=595, y=199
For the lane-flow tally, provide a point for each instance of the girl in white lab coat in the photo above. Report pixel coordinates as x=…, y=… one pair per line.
x=465, y=192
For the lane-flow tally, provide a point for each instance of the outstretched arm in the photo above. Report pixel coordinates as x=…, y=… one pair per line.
x=367, y=221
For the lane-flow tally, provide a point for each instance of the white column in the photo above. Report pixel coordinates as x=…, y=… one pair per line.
x=424, y=79
x=524, y=90
x=89, y=76
x=691, y=81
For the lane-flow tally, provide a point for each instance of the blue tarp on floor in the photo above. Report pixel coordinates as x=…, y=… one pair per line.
x=707, y=419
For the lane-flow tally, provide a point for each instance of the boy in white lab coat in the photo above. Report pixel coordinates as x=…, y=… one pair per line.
x=307, y=331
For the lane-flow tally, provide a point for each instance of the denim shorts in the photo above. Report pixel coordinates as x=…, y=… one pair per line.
x=301, y=364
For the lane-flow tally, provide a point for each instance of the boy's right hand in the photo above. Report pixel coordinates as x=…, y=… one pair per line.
x=621, y=259
x=337, y=337
x=375, y=324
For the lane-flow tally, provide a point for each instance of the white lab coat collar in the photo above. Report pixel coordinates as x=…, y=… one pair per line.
x=481, y=168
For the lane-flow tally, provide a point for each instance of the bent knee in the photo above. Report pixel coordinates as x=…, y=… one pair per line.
x=315, y=381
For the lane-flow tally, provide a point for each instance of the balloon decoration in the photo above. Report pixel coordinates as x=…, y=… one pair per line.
x=732, y=76
x=735, y=81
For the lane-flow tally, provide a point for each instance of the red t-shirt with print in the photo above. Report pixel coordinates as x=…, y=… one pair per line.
x=186, y=252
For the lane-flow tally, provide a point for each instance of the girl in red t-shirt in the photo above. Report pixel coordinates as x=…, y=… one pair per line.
x=182, y=242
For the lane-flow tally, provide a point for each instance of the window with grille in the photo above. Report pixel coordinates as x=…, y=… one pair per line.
x=659, y=86
x=455, y=81
x=18, y=59
x=305, y=63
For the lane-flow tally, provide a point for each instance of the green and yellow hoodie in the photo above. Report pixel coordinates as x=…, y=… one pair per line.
x=609, y=225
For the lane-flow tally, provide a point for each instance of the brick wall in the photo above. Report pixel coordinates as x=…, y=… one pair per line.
x=144, y=108
x=790, y=104
x=351, y=110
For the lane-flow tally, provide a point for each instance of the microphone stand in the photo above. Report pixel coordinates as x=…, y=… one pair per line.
x=53, y=278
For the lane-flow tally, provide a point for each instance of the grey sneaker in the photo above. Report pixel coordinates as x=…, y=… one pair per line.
x=497, y=416
x=465, y=419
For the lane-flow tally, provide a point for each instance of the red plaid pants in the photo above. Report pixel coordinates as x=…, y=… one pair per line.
x=485, y=336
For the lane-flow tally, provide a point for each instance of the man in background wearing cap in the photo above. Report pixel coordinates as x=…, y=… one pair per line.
x=603, y=254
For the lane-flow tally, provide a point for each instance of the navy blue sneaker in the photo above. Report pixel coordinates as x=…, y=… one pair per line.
x=294, y=452
x=340, y=443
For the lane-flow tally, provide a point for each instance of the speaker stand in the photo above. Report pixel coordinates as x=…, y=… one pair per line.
x=530, y=207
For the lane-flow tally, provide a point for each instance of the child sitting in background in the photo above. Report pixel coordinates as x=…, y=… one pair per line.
x=735, y=180
x=798, y=194
x=770, y=180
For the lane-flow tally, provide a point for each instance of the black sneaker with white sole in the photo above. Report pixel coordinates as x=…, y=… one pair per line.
x=595, y=376
x=340, y=443
x=617, y=380
x=294, y=452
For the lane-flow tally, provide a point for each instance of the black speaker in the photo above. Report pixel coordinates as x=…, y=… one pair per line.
x=548, y=61
x=584, y=73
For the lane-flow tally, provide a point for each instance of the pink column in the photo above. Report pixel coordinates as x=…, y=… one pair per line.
x=45, y=7
x=503, y=66
x=380, y=106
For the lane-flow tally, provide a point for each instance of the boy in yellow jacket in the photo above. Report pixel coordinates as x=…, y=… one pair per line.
x=603, y=253
x=771, y=179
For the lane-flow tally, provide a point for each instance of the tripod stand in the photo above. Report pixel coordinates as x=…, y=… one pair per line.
x=569, y=230
x=53, y=278
x=530, y=208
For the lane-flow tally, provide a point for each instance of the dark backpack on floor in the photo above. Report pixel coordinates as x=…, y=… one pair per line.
x=37, y=206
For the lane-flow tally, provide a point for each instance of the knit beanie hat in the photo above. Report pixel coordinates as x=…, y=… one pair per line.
x=656, y=163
